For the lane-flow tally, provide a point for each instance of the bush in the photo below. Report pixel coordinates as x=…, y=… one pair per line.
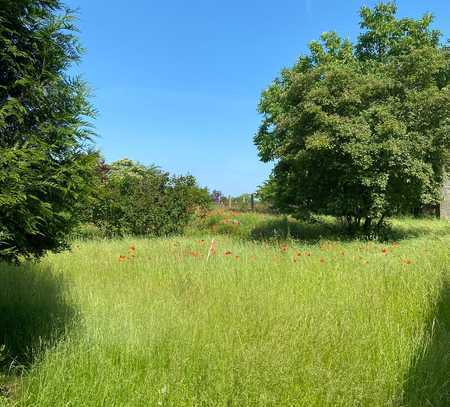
x=133, y=199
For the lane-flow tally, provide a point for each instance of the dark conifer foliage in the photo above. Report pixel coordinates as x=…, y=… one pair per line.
x=45, y=149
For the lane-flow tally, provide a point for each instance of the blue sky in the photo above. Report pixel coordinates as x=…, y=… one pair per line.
x=177, y=83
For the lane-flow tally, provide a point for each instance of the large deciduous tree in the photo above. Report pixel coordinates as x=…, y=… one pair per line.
x=360, y=131
x=45, y=163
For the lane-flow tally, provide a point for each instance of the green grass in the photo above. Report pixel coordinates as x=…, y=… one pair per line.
x=314, y=322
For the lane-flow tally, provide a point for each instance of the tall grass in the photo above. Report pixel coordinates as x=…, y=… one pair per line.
x=265, y=227
x=259, y=323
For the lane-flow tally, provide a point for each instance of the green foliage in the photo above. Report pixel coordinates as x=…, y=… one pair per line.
x=133, y=199
x=360, y=131
x=45, y=159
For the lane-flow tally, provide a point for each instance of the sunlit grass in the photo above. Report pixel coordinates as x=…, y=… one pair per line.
x=155, y=322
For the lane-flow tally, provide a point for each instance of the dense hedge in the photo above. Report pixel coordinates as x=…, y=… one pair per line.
x=133, y=199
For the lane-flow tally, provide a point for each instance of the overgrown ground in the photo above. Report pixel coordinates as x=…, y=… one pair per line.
x=315, y=321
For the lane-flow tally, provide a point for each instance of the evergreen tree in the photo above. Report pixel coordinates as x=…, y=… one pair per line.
x=45, y=158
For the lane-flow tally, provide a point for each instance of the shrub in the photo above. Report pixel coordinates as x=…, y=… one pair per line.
x=134, y=199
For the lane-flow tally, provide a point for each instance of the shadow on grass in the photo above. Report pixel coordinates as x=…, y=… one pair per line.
x=34, y=314
x=288, y=229
x=283, y=229
x=428, y=380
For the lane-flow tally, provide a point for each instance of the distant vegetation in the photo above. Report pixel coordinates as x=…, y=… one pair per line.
x=132, y=199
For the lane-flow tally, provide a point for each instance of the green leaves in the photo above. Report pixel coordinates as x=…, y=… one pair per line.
x=360, y=131
x=385, y=36
x=132, y=199
x=46, y=163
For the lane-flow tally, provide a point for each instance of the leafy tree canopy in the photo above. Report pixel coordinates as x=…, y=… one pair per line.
x=360, y=131
x=45, y=159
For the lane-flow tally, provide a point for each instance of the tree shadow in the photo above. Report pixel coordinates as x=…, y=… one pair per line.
x=428, y=380
x=34, y=314
x=283, y=229
x=313, y=232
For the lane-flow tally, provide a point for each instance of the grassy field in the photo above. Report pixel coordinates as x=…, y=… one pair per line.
x=314, y=321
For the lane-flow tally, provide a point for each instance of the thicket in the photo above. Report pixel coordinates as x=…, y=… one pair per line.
x=134, y=199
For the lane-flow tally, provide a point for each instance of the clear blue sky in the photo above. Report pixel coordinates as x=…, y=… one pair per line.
x=177, y=83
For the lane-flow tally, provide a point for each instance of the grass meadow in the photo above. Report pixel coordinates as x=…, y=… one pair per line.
x=278, y=314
